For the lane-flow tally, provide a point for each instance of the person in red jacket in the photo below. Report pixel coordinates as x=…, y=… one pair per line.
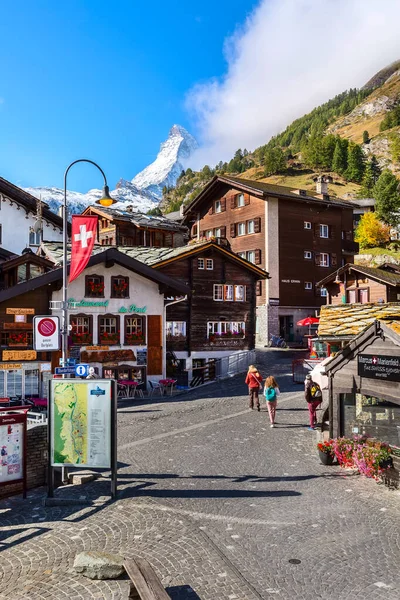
x=254, y=381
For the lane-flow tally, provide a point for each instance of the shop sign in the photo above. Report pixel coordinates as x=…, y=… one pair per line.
x=107, y=357
x=18, y=325
x=374, y=366
x=20, y=311
x=104, y=303
x=274, y=301
x=97, y=348
x=290, y=281
x=11, y=366
x=133, y=309
x=19, y=355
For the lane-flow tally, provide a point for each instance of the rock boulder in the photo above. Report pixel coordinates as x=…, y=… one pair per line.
x=99, y=565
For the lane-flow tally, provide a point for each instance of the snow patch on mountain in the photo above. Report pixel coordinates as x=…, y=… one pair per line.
x=167, y=167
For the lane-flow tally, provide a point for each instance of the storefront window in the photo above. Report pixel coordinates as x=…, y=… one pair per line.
x=32, y=382
x=370, y=416
x=14, y=383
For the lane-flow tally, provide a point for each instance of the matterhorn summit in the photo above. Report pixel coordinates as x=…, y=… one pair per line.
x=167, y=167
x=144, y=191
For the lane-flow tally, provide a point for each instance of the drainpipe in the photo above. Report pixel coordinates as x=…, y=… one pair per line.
x=330, y=392
x=164, y=338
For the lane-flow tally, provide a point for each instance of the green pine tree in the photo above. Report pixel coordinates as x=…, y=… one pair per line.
x=355, y=163
x=376, y=170
x=274, y=161
x=367, y=183
x=339, y=160
x=365, y=137
x=387, y=198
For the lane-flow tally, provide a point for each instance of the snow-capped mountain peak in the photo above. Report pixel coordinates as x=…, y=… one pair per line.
x=167, y=167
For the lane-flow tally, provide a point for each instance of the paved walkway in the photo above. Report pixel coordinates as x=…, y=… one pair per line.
x=223, y=506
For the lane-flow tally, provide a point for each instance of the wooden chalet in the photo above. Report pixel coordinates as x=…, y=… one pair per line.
x=296, y=236
x=125, y=227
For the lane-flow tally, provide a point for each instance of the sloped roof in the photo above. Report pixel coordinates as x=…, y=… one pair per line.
x=344, y=321
x=262, y=190
x=139, y=219
x=156, y=257
x=371, y=272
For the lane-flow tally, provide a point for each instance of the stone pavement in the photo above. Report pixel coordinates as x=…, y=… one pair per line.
x=219, y=503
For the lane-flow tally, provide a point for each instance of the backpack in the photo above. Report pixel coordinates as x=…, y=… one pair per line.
x=315, y=391
x=270, y=394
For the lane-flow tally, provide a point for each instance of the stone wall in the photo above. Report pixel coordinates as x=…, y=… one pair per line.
x=36, y=461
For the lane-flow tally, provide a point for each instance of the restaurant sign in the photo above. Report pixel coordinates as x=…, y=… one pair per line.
x=19, y=355
x=11, y=366
x=132, y=308
x=373, y=366
x=20, y=311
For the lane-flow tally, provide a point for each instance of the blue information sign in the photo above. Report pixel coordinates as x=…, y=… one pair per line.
x=81, y=370
x=65, y=370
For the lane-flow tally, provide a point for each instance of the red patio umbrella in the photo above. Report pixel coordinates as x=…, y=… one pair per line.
x=308, y=321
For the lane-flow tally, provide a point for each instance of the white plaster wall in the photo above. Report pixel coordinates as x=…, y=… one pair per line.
x=142, y=293
x=15, y=222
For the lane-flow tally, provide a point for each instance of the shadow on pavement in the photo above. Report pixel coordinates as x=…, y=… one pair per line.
x=182, y=592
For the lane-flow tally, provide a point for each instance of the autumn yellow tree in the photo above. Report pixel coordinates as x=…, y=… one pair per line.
x=371, y=232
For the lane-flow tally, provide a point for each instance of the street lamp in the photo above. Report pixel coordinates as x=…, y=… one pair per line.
x=105, y=200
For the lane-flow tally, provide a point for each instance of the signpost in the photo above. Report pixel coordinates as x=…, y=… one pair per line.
x=373, y=366
x=81, y=370
x=13, y=448
x=46, y=333
x=65, y=370
x=82, y=420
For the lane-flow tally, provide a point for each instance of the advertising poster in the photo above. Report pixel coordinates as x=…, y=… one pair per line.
x=80, y=423
x=11, y=452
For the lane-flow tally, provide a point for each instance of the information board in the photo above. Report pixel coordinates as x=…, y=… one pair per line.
x=81, y=423
x=375, y=366
x=141, y=357
x=11, y=451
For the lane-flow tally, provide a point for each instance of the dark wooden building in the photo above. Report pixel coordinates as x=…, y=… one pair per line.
x=118, y=227
x=295, y=236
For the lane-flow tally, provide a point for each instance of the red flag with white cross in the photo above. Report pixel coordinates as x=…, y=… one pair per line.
x=83, y=238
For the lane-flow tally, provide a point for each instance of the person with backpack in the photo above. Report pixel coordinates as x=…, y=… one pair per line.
x=313, y=395
x=271, y=393
x=254, y=381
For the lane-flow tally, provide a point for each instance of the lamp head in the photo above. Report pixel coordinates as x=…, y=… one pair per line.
x=337, y=280
x=106, y=199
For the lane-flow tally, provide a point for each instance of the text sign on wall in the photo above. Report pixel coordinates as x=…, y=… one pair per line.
x=20, y=311
x=373, y=366
x=19, y=355
x=46, y=335
x=80, y=423
x=11, y=448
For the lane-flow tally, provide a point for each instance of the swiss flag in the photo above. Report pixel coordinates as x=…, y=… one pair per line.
x=83, y=238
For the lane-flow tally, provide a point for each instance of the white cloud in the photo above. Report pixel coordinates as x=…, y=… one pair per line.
x=290, y=56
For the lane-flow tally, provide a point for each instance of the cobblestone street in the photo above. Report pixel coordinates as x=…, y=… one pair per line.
x=224, y=508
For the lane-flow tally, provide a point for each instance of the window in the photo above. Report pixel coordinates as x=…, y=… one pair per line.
x=217, y=232
x=119, y=287
x=241, y=229
x=259, y=288
x=324, y=259
x=109, y=330
x=240, y=293
x=307, y=254
x=307, y=225
x=240, y=200
x=34, y=237
x=251, y=256
x=94, y=286
x=324, y=292
x=225, y=329
x=176, y=329
x=324, y=231
x=250, y=226
x=218, y=292
x=134, y=330
x=81, y=332
x=218, y=206
x=200, y=263
x=209, y=234
x=209, y=264
x=228, y=293
x=363, y=296
x=307, y=285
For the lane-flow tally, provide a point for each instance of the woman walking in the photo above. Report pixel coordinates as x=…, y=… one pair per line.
x=271, y=393
x=254, y=381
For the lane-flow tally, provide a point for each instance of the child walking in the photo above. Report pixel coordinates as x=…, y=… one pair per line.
x=254, y=381
x=271, y=393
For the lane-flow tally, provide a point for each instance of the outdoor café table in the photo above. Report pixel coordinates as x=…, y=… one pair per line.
x=130, y=385
x=167, y=384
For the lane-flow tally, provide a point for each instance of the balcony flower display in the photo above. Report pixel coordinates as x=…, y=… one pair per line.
x=236, y=335
x=19, y=338
x=96, y=287
x=134, y=338
x=81, y=337
x=120, y=289
x=109, y=338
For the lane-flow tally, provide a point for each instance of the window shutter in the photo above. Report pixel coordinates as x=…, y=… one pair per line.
x=233, y=201
x=223, y=232
x=246, y=199
x=257, y=225
x=258, y=288
x=211, y=209
x=223, y=204
x=332, y=232
x=333, y=259
x=257, y=257
x=316, y=229
x=317, y=258
x=233, y=229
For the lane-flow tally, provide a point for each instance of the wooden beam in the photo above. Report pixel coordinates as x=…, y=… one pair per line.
x=147, y=585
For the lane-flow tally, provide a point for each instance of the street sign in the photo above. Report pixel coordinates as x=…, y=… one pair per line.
x=65, y=370
x=71, y=362
x=81, y=370
x=46, y=333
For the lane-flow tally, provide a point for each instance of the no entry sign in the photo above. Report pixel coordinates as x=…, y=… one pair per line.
x=46, y=333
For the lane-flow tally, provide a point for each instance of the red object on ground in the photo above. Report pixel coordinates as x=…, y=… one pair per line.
x=83, y=238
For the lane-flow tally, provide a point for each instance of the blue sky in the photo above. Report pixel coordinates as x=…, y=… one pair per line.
x=103, y=80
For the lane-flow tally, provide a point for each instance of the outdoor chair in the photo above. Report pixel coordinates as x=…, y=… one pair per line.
x=154, y=385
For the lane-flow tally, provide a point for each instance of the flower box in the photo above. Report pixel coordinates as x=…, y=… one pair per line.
x=109, y=339
x=84, y=339
x=134, y=339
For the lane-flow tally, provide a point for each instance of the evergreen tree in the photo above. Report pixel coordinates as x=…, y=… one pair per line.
x=328, y=145
x=365, y=137
x=274, y=161
x=376, y=170
x=355, y=163
x=387, y=198
x=339, y=160
x=367, y=183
